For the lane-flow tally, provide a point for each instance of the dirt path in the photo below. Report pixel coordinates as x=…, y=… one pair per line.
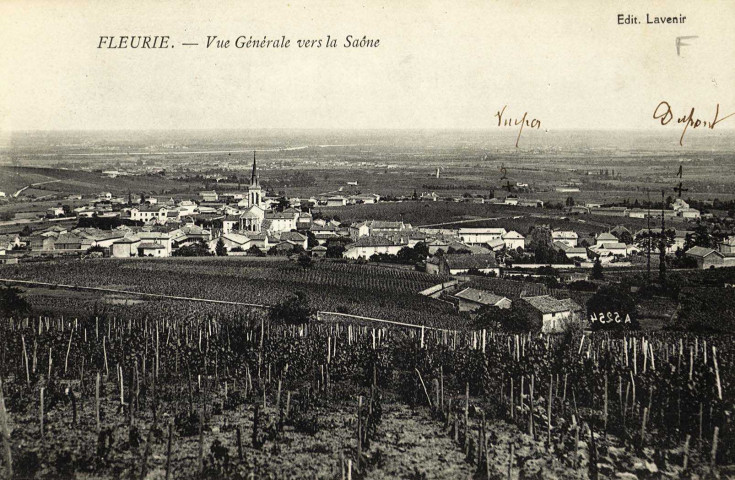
x=411, y=444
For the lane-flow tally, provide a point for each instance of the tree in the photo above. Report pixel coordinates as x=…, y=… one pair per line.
x=700, y=237
x=612, y=307
x=311, y=240
x=294, y=310
x=11, y=303
x=517, y=319
x=597, y=270
x=220, y=248
x=570, y=201
x=197, y=249
x=255, y=251
x=304, y=261
x=625, y=237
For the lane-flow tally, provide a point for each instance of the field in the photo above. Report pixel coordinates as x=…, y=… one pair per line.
x=607, y=166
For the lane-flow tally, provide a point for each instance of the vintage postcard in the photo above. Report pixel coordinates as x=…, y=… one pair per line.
x=373, y=240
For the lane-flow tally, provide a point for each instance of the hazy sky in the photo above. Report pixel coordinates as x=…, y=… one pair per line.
x=439, y=64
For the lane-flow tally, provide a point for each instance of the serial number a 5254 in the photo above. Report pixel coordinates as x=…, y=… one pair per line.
x=609, y=317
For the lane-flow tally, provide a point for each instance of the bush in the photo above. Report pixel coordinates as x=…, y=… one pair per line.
x=294, y=310
x=612, y=308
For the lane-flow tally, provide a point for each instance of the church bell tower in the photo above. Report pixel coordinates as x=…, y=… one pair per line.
x=255, y=194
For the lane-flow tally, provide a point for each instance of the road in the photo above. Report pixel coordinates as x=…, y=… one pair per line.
x=15, y=195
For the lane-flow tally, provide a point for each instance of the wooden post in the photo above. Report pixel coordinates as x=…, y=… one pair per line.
x=512, y=407
x=717, y=372
x=530, y=401
x=200, y=462
x=359, y=432
x=685, y=462
x=41, y=413
x=168, y=449
x=714, y=447
x=605, y=401
x=510, y=461
x=5, y=434
x=239, y=443
x=548, y=414
x=68, y=349
x=643, y=427
x=97, y=403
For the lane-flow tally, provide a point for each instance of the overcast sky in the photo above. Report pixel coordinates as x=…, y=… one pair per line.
x=439, y=64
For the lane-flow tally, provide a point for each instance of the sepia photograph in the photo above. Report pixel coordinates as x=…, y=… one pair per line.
x=488, y=240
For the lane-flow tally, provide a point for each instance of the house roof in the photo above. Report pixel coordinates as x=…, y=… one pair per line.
x=149, y=208
x=482, y=297
x=236, y=238
x=128, y=240
x=280, y=215
x=498, y=242
x=151, y=246
x=565, y=234
x=488, y=230
x=382, y=224
x=604, y=236
x=513, y=235
x=610, y=245
x=292, y=237
x=372, y=241
x=549, y=304
x=700, y=252
x=458, y=261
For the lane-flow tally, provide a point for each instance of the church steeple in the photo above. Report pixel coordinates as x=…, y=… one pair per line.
x=254, y=176
x=255, y=195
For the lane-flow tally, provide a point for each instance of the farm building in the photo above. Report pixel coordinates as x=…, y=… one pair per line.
x=555, y=315
x=513, y=240
x=151, y=249
x=125, y=248
x=728, y=245
x=457, y=264
x=478, y=236
x=336, y=201
x=567, y=237
x=319, y=252
x=281, y=221
x=146, y=213
x=709, y=258
x=209, y=196
x=366, y=247
x=160, y=238
x=471, y=299
x=381, y=227
x=294, y=238
x=610, y=249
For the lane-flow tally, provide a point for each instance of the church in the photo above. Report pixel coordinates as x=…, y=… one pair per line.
x=252, y=219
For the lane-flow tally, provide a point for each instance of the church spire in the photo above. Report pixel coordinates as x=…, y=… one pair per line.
x=254, y=176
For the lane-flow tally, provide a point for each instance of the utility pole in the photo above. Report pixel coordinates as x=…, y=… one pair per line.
x=662, y=243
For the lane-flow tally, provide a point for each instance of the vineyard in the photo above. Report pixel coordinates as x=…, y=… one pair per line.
x=221, y=392
x=348, y=288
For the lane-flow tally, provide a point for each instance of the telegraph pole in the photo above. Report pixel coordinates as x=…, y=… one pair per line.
x=662, y=243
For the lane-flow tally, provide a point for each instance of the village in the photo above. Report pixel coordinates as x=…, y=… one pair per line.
x=251, y=223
